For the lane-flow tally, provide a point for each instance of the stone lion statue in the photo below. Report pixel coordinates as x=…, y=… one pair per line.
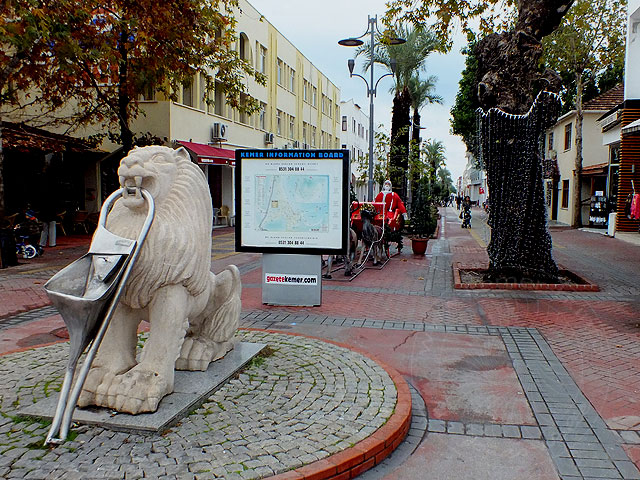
x=193, y=313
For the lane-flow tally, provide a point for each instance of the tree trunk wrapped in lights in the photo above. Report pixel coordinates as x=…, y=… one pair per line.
x=520, y=246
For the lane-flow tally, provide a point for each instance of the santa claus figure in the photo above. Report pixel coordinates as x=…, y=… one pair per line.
x=394, y=209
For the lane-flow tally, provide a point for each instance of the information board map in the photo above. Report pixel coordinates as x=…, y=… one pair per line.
x=292, y=204
x=291, y=199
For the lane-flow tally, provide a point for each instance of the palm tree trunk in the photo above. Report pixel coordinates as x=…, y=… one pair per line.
x=577, y=171
x=398, y=159
x=415, y=152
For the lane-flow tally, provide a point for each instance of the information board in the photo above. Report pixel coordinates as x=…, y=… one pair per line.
x=292, y=201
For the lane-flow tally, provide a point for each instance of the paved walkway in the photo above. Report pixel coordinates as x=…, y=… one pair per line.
x=516, y=384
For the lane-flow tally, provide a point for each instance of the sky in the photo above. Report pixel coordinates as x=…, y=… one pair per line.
x=316, y=31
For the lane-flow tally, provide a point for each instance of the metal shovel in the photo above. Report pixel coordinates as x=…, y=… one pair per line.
x=86, y=294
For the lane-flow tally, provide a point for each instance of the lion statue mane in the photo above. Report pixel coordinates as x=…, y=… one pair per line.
x=193, y=313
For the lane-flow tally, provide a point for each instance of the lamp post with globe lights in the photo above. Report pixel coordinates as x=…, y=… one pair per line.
x=372, y=29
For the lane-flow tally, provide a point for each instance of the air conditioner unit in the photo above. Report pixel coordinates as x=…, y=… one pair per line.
x=268, y=138
x=219, y=132
x=296, y=144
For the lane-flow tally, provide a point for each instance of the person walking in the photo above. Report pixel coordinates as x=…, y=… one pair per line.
x=465, y=215
x=458, y=201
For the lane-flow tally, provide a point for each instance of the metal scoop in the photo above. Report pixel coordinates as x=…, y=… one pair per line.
x=86, y=294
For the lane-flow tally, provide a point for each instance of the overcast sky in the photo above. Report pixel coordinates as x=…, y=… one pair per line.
x=315, y=32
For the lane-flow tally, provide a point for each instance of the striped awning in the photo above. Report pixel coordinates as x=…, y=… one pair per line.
x=208, y=155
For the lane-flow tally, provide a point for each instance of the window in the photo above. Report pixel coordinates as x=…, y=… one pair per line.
x=305, y=90
x=245, y=49
x=244, y=116
x=614, y=154
x=354, y=125
x=551, y=141
x=262, y=60
x=565, y=193
x=292, y=80
x=314, y=131
x=203, y=92
x=304, y=132
x=280, y=72
x=279, y=122
x=219, y=100
x=344, y=123
x=292, y=126
x=567, y=137
x=262, y=116
x=314, y=101
x=148, y=94
x=187, y=93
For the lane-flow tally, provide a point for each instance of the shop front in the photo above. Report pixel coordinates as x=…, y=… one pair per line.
x=218, y=165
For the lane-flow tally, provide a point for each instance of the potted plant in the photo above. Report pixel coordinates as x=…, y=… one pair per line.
x=423, y=218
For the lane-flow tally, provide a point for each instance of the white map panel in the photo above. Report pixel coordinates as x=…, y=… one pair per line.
x=294, y=200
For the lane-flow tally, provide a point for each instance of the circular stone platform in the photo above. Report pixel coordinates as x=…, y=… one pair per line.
x=311, y=409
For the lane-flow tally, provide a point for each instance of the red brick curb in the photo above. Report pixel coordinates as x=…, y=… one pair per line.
x=372, y=450
x=584, y=286
x=363, y=455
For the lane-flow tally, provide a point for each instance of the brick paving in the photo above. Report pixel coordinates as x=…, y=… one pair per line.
x=575, y=354
x=306, y=401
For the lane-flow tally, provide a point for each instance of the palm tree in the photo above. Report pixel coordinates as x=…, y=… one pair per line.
x=410, y=58
x=434, y=156
x=422, y=93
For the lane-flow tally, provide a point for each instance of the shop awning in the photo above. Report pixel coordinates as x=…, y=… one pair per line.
x=632, y=127
x=599, y=169
x=208, y=155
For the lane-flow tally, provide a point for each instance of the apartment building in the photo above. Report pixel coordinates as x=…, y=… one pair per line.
x=354, y=136
x=300, y=108
x=560, y=154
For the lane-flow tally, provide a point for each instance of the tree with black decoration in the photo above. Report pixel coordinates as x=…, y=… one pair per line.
x=509, y=78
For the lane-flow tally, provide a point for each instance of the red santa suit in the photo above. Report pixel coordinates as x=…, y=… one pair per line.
x=393, y=208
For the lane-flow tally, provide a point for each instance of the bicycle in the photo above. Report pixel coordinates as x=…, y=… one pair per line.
x=23, y=248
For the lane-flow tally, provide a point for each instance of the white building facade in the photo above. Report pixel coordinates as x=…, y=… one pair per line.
x=474, y=181
x=354, y=136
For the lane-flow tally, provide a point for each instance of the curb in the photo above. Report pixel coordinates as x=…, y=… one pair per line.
x=584, y=286
x=367, y=453
x=363, y=455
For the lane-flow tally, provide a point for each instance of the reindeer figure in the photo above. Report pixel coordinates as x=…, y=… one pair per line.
x=371, y=237
x=346, y=259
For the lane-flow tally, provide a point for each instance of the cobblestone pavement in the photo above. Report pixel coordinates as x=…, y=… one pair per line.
x=307, y=400
x=575, y=355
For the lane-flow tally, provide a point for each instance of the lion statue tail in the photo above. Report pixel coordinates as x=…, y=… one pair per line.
x=227, y=305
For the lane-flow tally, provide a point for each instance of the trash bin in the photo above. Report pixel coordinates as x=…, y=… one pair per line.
x=8, y=255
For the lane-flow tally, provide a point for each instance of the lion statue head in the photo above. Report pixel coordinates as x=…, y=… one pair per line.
x=180, y=235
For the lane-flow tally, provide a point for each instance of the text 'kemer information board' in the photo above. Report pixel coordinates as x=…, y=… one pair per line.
x=292, y=201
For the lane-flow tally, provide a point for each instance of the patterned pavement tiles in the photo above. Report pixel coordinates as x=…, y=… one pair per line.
x=580, y=443
x=603, y=354
x=306, y=401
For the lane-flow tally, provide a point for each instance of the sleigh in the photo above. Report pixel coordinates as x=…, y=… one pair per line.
x=393, y=219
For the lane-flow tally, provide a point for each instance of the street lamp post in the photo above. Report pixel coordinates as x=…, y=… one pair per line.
x=372, y=28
